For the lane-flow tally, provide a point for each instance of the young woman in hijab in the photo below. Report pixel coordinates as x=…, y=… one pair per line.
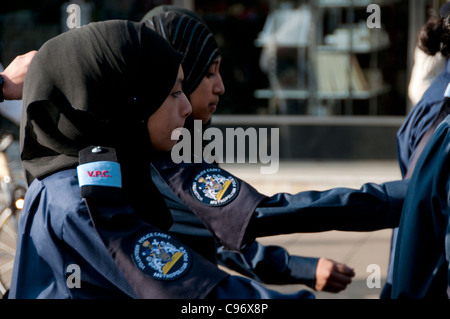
x=203, y=85
x=187, y=33
x=99, y=103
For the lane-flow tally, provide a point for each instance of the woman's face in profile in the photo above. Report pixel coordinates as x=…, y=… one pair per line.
x=169, y=116
x=205, y=97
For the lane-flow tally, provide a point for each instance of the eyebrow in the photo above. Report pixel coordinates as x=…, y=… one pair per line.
x=216, y=62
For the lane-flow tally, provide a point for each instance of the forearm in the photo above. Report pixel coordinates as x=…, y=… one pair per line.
x=270, y=265
x=373, y=207
x=14, y=75
x=249, y=214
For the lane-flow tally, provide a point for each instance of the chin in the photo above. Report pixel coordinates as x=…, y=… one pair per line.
x=169, y=147
x=164, y=148
x=206, y=119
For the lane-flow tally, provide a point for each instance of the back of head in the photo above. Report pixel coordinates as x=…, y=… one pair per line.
x=188, y=34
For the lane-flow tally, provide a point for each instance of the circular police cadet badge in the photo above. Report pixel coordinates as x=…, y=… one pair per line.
x=214, y=187
x=160, y=257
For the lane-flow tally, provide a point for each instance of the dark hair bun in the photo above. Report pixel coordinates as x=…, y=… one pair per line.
x=430, y=36
x=445, y=38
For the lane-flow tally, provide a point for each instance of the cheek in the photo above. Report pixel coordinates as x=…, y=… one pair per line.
x=204, y=115
x=153, y=132
x=200, y=109
x=200, y=97
x=196, y=103
x=156, y=131
x=202, y=112
x=160, y=131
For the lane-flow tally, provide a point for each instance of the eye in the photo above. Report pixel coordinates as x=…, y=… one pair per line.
x=211, y=71
x=177, y=93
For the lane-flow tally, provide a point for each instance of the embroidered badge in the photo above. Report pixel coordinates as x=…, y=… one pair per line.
x=214, y=187
x=157, y=255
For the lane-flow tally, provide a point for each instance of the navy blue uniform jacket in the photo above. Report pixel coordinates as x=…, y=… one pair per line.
x=421, y=266
x=420, y=119
x=56, y=232
x=409, y=137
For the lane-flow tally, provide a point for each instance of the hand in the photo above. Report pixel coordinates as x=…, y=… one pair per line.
x=332, y=276
x=14, y=75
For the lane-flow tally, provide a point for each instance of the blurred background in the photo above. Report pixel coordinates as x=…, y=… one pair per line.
x=332, y=75
x=316, y=69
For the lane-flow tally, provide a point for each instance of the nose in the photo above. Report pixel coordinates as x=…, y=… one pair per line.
x=219, y=87
x=186, y=108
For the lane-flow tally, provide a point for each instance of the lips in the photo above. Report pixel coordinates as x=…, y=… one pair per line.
x=213, y=107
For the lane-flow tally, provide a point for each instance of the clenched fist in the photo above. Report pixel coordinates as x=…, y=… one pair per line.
x=332, y=276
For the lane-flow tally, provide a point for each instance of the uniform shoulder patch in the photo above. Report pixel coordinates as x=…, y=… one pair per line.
x=214, y=187
x=161, y=257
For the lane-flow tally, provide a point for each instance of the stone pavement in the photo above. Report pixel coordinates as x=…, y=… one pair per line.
x=358, y=250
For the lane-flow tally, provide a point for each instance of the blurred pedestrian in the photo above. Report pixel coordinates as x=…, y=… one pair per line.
x=433, y=38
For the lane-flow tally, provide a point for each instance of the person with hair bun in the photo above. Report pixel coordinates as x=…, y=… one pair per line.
x=434, y=41
x=428, y=60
